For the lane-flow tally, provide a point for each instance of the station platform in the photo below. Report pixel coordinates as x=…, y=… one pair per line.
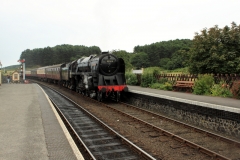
x=30, y=127
x=220, y=103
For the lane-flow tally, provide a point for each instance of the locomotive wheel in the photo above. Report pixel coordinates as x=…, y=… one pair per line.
x=99, y=96
x=118, y=96
x=82, y=92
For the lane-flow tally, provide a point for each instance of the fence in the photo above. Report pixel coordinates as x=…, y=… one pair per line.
x=178, y=77
x=228, y=78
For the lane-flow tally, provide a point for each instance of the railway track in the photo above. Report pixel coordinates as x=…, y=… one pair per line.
x=98, y=140
x=160, y=136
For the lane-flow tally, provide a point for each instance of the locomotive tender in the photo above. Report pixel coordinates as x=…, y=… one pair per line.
x=98, y=76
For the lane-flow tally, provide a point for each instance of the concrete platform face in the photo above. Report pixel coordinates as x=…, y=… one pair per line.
x=28, y=126
x=225, y=104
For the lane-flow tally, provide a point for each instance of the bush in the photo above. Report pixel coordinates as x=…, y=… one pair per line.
x=157, y=86
x=203, y=85
x=131, y=78
x=163, y=80
x=221, y=89
x=163, y=86
x=148, y=79
x=168, y=86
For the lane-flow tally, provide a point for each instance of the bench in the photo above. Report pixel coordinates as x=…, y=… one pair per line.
x=183, y=85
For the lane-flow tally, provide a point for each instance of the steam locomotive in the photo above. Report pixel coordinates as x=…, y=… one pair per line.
x=97, y=76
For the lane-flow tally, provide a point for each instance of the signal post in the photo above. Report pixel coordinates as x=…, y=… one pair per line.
x=22, y=68
x=0, y=74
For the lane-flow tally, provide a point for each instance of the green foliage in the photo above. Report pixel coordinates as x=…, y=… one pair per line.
x=179, y=59
x=163, y=62
x=13, y=67
x=156, y=72
x=167, y=86
x=221, y=89
x=163, y=80
x=153, y=70
x=131, y=78
x=158, y=86
x=203, y=85
x=140, y=60
x=162, y=86
x=148, y=79
x=180, y=70
x=216, y=50
x=164, y=49
x=126, y=57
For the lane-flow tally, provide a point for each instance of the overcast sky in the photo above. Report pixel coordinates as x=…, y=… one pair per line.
x=108, y=24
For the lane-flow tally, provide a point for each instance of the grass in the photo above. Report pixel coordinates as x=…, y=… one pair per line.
x=163, y=71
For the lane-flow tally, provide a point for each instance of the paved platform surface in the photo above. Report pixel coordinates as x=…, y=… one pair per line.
x=29, y=128
x=226, y=104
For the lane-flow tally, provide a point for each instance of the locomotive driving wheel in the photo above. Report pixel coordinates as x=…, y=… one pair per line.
x=118, y=96
x=99, y=96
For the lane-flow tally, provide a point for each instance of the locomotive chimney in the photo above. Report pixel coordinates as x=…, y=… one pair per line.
x=105, y=52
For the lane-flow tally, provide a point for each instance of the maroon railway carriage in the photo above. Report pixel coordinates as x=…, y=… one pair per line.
x=52, y=73
x=41, y=73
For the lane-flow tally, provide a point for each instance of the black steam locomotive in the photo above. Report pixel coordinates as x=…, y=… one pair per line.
x=98, y=76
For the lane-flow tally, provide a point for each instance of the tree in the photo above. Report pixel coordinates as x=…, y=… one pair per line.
x=164, y=49
x=180, y=59
x=216, y=50
x=140, y=60
x=125, y=56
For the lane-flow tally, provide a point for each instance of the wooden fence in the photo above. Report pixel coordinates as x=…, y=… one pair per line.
x=228, y=78
x=178, y=77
